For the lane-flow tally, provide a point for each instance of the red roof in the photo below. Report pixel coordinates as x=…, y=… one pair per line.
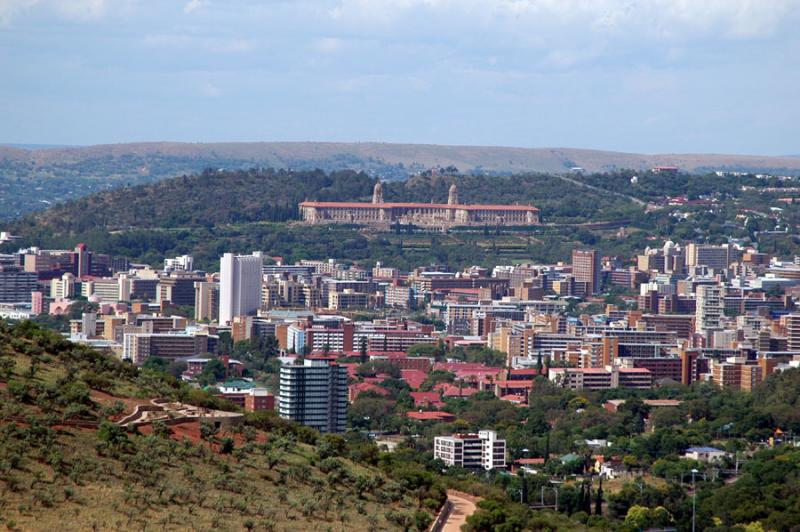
x=413, y=377
x=361, y=387
x=427, y=399
x=359, y=205
x=529, y=461
x=431, y=416
x=452, y=390
x=519, y=399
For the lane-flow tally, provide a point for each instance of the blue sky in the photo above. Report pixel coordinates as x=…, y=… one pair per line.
x=630, y=75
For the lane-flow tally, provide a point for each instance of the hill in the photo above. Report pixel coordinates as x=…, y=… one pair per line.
x=66, y=464
x=31, y=180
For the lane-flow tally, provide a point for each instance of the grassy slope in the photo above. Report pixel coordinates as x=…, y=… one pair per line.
x=54, y=476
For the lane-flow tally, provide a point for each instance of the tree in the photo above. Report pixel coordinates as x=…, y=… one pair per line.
x=214, y=371
x=362, y=348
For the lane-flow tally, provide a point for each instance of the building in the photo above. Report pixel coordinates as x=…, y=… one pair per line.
x=471, y=451
x=710, y=309
x=793, y=332
x=601, y=378
x=63, y=287
x=16, y=285
x=206, y=301
x=178, y=289
x=239, y=286
x=586, y=269
x=314, y=394
x=137, y=347
x=439, y=215
x=716, y=258
x=184, y=263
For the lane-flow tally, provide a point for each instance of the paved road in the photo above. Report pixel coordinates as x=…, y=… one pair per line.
x=462, y=508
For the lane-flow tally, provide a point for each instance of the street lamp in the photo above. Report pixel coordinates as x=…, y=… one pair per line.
x=694, y=500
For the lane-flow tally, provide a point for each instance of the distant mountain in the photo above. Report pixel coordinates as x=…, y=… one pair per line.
x=32, y=179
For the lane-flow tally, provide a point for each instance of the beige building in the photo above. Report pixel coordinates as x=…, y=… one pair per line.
x=439, y=215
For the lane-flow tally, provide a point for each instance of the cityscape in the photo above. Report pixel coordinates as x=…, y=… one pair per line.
x=427, y=265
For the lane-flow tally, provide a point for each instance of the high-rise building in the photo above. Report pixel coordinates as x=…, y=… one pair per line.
x=586, y=268
x=793, y=332
x=63, y=288
x=483, y=450
x=206, y=300
x=239, y=286
x=314, y=394
x=709, y=309
x=717, y=258
x=16, y=285
x=184, y=263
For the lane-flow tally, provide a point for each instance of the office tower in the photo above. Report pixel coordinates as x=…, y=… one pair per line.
x=314, y=394
x=16, y=285
x=717, y=258
x=709, y=309
x=81, y=260
x=586, y=268
x=63, y=288
x=206, y=300
x=793, y=332
x=239, y=286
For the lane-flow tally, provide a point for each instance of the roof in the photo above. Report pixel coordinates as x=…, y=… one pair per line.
x=413, y=377
x=704, y=450
x=529, y=461
x=360, y=205
x=426, y=416
x=422, y=398
x=361, y=387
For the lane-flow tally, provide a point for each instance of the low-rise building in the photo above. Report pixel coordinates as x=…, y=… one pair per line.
x=483, y=450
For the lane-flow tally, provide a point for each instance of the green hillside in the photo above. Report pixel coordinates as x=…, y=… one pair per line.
x=65, y=466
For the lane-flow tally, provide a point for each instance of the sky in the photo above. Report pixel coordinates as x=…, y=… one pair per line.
x=652, y=76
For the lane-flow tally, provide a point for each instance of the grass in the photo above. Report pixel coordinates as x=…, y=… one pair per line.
x=66, y=478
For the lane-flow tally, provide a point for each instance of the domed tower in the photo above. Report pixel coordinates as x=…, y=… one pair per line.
x=452, y=196
x=377, y=193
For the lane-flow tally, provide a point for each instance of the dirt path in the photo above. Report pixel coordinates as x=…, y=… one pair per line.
x=463, y=507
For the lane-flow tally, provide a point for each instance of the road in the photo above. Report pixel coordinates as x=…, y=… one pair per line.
x=463, y=506
x=598, y=189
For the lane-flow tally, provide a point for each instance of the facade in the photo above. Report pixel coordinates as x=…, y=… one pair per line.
x=601, y=378
x=586, y=269
x=471, y=451
x=710, y=309
x=206, y=300
x=137, y=347
x=16, y=285
x=314, y=394
x=239, y=286
x=439, y=215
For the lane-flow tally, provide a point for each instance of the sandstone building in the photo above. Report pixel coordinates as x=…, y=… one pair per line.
x=439, y=215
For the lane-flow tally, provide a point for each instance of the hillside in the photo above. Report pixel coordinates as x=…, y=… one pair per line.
x=65, y=464
x=30, y=180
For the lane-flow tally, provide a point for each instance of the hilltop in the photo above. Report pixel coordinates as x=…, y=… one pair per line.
x=33, y=179
x=65, y=464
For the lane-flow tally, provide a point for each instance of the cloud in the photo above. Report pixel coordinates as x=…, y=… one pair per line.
x=210, y=44
x=328, y=45
x=11, y=8
x=210, y=89
x=80, y=10
x=193, y=5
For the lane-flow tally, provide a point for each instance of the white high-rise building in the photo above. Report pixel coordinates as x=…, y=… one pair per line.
x=239, y=286
x=709, y=309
